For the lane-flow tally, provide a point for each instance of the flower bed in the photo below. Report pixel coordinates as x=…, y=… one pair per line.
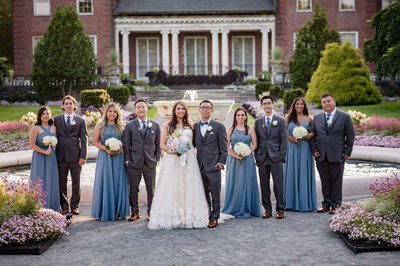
x=378, y=141
x=372, y=224
x=23, y=221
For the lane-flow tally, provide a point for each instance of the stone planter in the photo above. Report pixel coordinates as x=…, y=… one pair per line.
x=28, y=249
x=361, y=246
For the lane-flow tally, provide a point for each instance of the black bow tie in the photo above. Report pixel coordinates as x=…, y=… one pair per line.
x=203, y=123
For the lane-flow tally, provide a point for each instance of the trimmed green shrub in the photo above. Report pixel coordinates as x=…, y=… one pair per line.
x=277, y=92
x=343, y=73
x=131, y=88
x=119, y=94
x=262, y=87
x=290, y=95
x=250, y=82
x=96, y=98
x=139, y=82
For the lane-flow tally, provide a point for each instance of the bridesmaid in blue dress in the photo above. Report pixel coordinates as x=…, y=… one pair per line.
x=110, y=193
x=300, y=192
x=44, y=162
x=242, y=198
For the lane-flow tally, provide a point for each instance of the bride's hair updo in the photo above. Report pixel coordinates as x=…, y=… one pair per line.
x=174, y=120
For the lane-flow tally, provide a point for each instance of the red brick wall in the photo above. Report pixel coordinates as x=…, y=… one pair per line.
x=291, y=21
x=26, y=25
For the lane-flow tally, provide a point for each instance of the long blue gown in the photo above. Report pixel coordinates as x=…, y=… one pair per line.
x=110, y=192
x=242, y=197
x=300, y=193
x=46, y=168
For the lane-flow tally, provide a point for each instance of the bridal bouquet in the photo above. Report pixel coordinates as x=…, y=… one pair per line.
x=300, y=132
x=179, y=143
x=50, y=140
x=113, y=144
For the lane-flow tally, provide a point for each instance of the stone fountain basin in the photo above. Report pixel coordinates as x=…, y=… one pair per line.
x=222, y=109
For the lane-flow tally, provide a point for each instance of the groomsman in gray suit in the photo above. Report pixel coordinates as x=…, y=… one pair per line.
x=71, y=152
x=141, y=152
x=331, y=148
x=211, y=144
x=271, y=149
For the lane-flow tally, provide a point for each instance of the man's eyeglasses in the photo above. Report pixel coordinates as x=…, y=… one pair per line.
x=206, y=108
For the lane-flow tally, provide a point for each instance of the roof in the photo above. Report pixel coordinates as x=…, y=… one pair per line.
x=163, y=7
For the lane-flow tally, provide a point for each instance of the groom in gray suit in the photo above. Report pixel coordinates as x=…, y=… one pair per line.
x=331, y=148
x=71, y=152
x=211, y=144
x=271, y=149
x=141, y=153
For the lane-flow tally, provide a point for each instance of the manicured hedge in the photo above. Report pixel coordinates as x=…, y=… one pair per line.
x=96, y=98
x=119, y=94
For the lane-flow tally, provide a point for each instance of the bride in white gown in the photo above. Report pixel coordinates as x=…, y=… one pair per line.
x=179, y=199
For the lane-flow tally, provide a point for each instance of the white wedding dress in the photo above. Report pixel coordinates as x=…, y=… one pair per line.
x=179, y=200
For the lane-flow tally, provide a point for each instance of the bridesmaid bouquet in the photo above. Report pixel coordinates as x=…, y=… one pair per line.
x=50, y=140
x=180, y=144
x=113, y=144
x=300, y=132
x=242, y=149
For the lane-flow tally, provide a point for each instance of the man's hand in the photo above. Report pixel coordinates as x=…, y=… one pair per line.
x=220, y=166
x=82, y=162
x=317, y=154
x=345, y=157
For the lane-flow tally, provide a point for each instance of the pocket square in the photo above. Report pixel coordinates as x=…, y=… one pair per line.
x=212, y=133
x=152, y=131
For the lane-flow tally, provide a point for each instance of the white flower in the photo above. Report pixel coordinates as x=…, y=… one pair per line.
x=50, y=140
x=242, y=149
x=149, y=125
x=209, y=128
x=274, y=123
x=299, y=132
x=29, y=118
x=73, y=123
x=113, y=144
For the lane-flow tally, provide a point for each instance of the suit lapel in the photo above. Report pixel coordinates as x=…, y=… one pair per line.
x=207, y=132
x=148, y=129
x=334, y=120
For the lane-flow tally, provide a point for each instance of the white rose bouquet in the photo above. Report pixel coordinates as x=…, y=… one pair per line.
x=50, y=140
x=30, y=118
x=300, y=132
x=242, y=149
x=113, y=144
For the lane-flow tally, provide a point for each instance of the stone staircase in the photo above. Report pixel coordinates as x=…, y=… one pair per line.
x=238, y=95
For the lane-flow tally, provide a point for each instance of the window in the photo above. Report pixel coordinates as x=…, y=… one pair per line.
x=294, y=40
x=351, y=36
x=243, y=54
x=385, y=3
x=347, y=5
x=35, y=41
x=93, y=39
x=85, y=7
x=147, y=55
x=196, y=55
x=304, y=5
x=41, y=7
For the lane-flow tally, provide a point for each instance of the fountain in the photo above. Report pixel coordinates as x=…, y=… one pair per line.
x=222, y=108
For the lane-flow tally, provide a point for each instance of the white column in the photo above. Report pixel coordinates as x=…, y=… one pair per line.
x=175, y=52
x=117, y=44
x=165, y=50
x=125, y=51
x=273, y=38
x=264, y=49
x=215, y=52
x=225, y=51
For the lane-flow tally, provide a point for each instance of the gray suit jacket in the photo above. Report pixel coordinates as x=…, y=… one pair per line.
x=335, y=140
x=137, y=150
x=72, y=142
x=212, y=148
x=271, y=142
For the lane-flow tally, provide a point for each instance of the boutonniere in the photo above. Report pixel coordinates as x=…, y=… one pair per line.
x=274, y=123
x=73, y=123
x=139, y=129
x=209, y=128
x=149, y=125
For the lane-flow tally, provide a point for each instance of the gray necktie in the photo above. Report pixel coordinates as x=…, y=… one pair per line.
x=144, y=129
x=268, y=124
x=327, y=115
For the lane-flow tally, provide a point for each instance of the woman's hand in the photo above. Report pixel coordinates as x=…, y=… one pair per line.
x=309, y=136
x=239, y=157
x=293, y=139
x=48, y=151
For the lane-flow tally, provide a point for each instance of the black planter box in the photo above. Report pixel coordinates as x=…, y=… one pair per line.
x=360, y=246
x=28, y=249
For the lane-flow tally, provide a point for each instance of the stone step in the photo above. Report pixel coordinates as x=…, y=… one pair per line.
x=238, y=96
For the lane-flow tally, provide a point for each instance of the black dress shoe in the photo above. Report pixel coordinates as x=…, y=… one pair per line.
x=323, y=209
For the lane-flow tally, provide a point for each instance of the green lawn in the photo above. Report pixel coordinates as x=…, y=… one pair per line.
x=12, y=113
x=385, y=109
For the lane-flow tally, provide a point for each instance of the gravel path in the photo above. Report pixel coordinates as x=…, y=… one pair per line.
x=299, y=239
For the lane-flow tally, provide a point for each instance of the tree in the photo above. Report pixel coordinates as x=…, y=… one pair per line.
x=343, y=73
x=6, y=40
x=310, y=42
x=384, y=48
x=64, y=58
